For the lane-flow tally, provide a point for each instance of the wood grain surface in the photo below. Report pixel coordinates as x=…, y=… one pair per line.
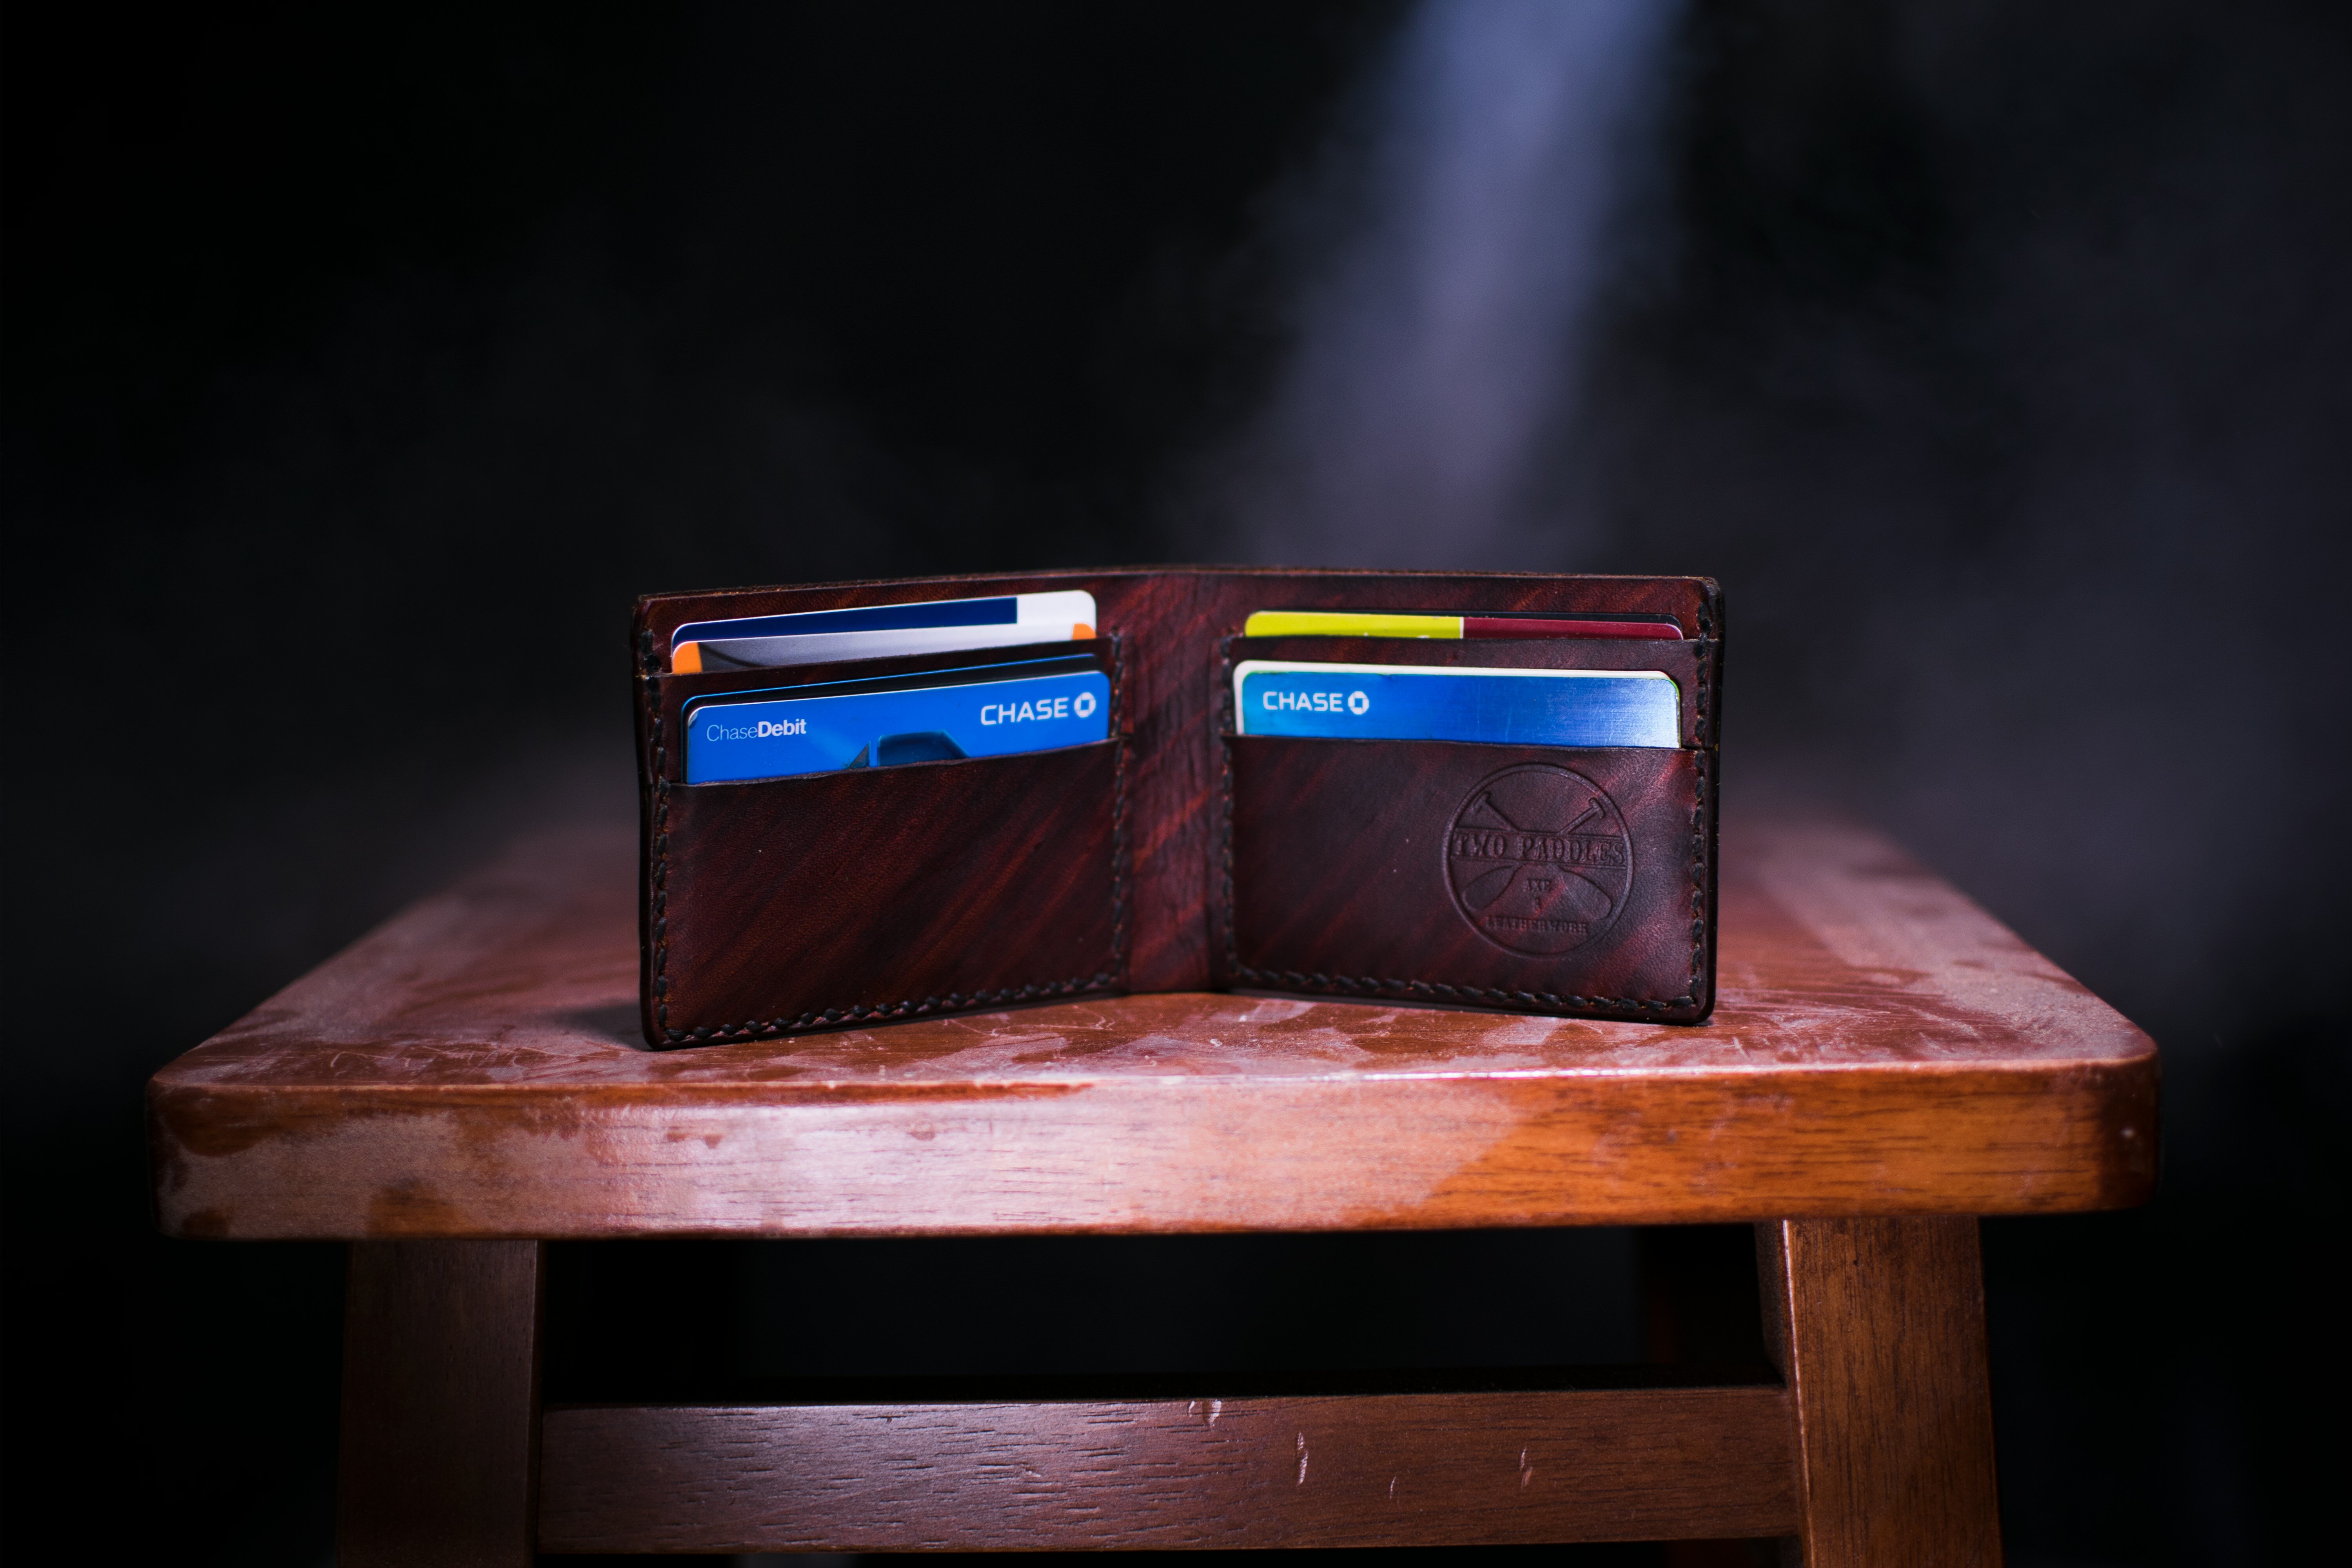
x=1361, y=1470
x=1878, y=1328
x=1881, y=1047
x=440, y=1404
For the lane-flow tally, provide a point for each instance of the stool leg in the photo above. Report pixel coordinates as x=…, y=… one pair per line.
x=440, y=1439
x=1878, y=1327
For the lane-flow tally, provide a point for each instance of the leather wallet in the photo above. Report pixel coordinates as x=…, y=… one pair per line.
x=1178, y=855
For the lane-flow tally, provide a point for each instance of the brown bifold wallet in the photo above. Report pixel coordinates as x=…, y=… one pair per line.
x=1178, y=854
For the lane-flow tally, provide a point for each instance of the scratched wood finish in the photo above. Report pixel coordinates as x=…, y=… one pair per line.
x=1878, y=1327
x=1361, y=1470
x=1881, y=1047
x=440, y=1403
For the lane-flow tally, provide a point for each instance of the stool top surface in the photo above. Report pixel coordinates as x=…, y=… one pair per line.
x=1880, y=1044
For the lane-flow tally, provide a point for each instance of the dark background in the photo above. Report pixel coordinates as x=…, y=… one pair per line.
x=1996, y=358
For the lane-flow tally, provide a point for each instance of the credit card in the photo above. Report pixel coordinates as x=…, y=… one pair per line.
x=936, y=717
x=1411, y=702
x=959, y=674
x=1378, y=624
x=933, y=627
x=768, y=653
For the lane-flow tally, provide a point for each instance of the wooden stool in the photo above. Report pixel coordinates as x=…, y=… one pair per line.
x=1887, y=1063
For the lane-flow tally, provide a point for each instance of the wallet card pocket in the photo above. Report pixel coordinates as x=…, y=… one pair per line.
x=842, y=897
x=670, y=699
x=1538, y=879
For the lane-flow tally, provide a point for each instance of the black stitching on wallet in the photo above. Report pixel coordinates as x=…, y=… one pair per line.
x=1290, y=980
x=658, y=885
x=1367, y=983
x=858, y=1013
x=1118, y=806
x=1228, y=727
x=1702, y=782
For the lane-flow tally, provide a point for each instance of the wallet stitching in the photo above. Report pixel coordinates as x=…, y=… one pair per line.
x=953, y=1001
x=1357, y=984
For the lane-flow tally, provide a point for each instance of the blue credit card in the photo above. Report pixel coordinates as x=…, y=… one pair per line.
x=780, y=736
x=1413, y=702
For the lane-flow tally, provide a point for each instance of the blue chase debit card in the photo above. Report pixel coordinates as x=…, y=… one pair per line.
x=1414, y=702
x=766, y=738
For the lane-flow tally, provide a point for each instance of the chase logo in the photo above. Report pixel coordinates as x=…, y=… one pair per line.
x=1354, y=702
x=1043, y=709
x=1539, y=859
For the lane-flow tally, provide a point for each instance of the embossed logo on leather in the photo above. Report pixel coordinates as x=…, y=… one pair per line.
x=1539, y=859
